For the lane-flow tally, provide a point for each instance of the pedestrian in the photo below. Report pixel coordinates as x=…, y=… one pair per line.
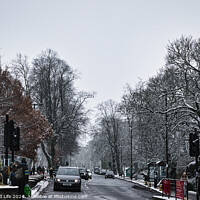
x=39, y=169
x=1, y=178
x=33, y=170
x=51, y=172
x=184, y=178
x=21, y=175
x=25, y=170
x=43, y=170
x=5, y=175
x=13, y=174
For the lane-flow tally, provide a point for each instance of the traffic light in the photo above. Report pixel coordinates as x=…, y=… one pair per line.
x=194, y=144
x=11, y=136
x=6, y=134
x=16, y=139
x=11, y=130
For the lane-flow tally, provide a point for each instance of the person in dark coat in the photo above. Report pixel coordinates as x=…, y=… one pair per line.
x=22, y=175
x=5, y=175
x=43, y=170
x=12, y=175
x=33, y=170
x=25, y=170
x=51, y=172
x=39, y=170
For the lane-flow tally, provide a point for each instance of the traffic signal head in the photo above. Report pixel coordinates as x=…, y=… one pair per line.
x=194, y=144
x=11, y=130
x=16, y=139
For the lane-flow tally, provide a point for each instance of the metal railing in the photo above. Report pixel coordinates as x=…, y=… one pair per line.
x=174, y=188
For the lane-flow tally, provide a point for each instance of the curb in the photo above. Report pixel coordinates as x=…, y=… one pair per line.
x=35, y=191
x=144, y=187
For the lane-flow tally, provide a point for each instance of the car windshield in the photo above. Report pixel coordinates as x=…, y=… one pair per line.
x=82, y=170
x=68, y=171
x=110, y=172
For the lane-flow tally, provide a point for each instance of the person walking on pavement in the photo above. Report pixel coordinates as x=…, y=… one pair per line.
x=184, y=178
x=33, y=170
x=39, y=169
x=5, y=175
x=21, y=175
x=51, y=172
x=1, y=178
x=13, y=174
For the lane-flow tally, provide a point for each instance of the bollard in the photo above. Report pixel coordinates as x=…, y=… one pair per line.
x=149, y=184
x=161, y=187
x=155, y=179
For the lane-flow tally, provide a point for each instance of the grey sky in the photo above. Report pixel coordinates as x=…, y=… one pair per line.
x=111, y=42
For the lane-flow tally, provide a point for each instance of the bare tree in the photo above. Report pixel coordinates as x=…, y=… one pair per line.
x=52, y=88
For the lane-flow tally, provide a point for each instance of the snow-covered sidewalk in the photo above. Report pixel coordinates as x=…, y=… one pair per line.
x=192, y=194
x=35, y=191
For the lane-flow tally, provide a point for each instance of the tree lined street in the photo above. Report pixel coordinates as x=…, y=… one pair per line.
x=147, y=129
x=100, y=188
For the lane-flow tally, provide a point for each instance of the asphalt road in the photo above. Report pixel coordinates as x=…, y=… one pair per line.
x=99, y=188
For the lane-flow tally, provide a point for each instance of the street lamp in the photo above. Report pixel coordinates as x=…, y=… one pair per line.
x=121, y=160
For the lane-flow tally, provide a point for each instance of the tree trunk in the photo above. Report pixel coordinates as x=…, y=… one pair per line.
x=118, y=161
x=46, y=155
x=53, y=151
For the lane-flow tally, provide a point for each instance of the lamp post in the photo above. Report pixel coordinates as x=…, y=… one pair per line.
x=121, y=167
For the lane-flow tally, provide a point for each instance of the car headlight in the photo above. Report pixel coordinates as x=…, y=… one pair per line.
x=76, y=180
x=58, y=180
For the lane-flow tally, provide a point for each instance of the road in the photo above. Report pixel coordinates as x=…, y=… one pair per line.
x=99, y=188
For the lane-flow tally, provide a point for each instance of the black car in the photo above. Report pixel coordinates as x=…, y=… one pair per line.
x=84, y=173
x=109, y=174
x=67, y=178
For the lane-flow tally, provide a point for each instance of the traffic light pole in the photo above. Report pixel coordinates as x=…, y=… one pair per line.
x=197, y=178
x=13, y=156
x=11, y=138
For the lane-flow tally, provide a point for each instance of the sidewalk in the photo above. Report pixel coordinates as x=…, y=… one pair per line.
x=9, y=192
x=191, y=195
x=35, y=191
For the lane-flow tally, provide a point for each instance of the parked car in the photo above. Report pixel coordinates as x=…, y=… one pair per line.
x=103, y=171
x=83, y=173
x=67, y=178
x=109, y=174
x=89, y=173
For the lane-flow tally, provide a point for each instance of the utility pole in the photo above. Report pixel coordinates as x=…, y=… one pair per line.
x=131, y=127
x=166, y=137
x=6, y=139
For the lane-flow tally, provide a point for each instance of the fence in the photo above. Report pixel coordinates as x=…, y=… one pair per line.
x=174, y=188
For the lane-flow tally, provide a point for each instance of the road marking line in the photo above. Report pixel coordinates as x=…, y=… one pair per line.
x=86, y=186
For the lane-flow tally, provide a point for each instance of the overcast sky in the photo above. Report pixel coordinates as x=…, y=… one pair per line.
x=110, y=42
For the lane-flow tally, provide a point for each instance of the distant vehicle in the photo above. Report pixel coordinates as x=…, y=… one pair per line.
x=89, y=173
x=67, y=178
x=103, y=171
x=83, y=173
x=109, y=174
x=96, y=170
